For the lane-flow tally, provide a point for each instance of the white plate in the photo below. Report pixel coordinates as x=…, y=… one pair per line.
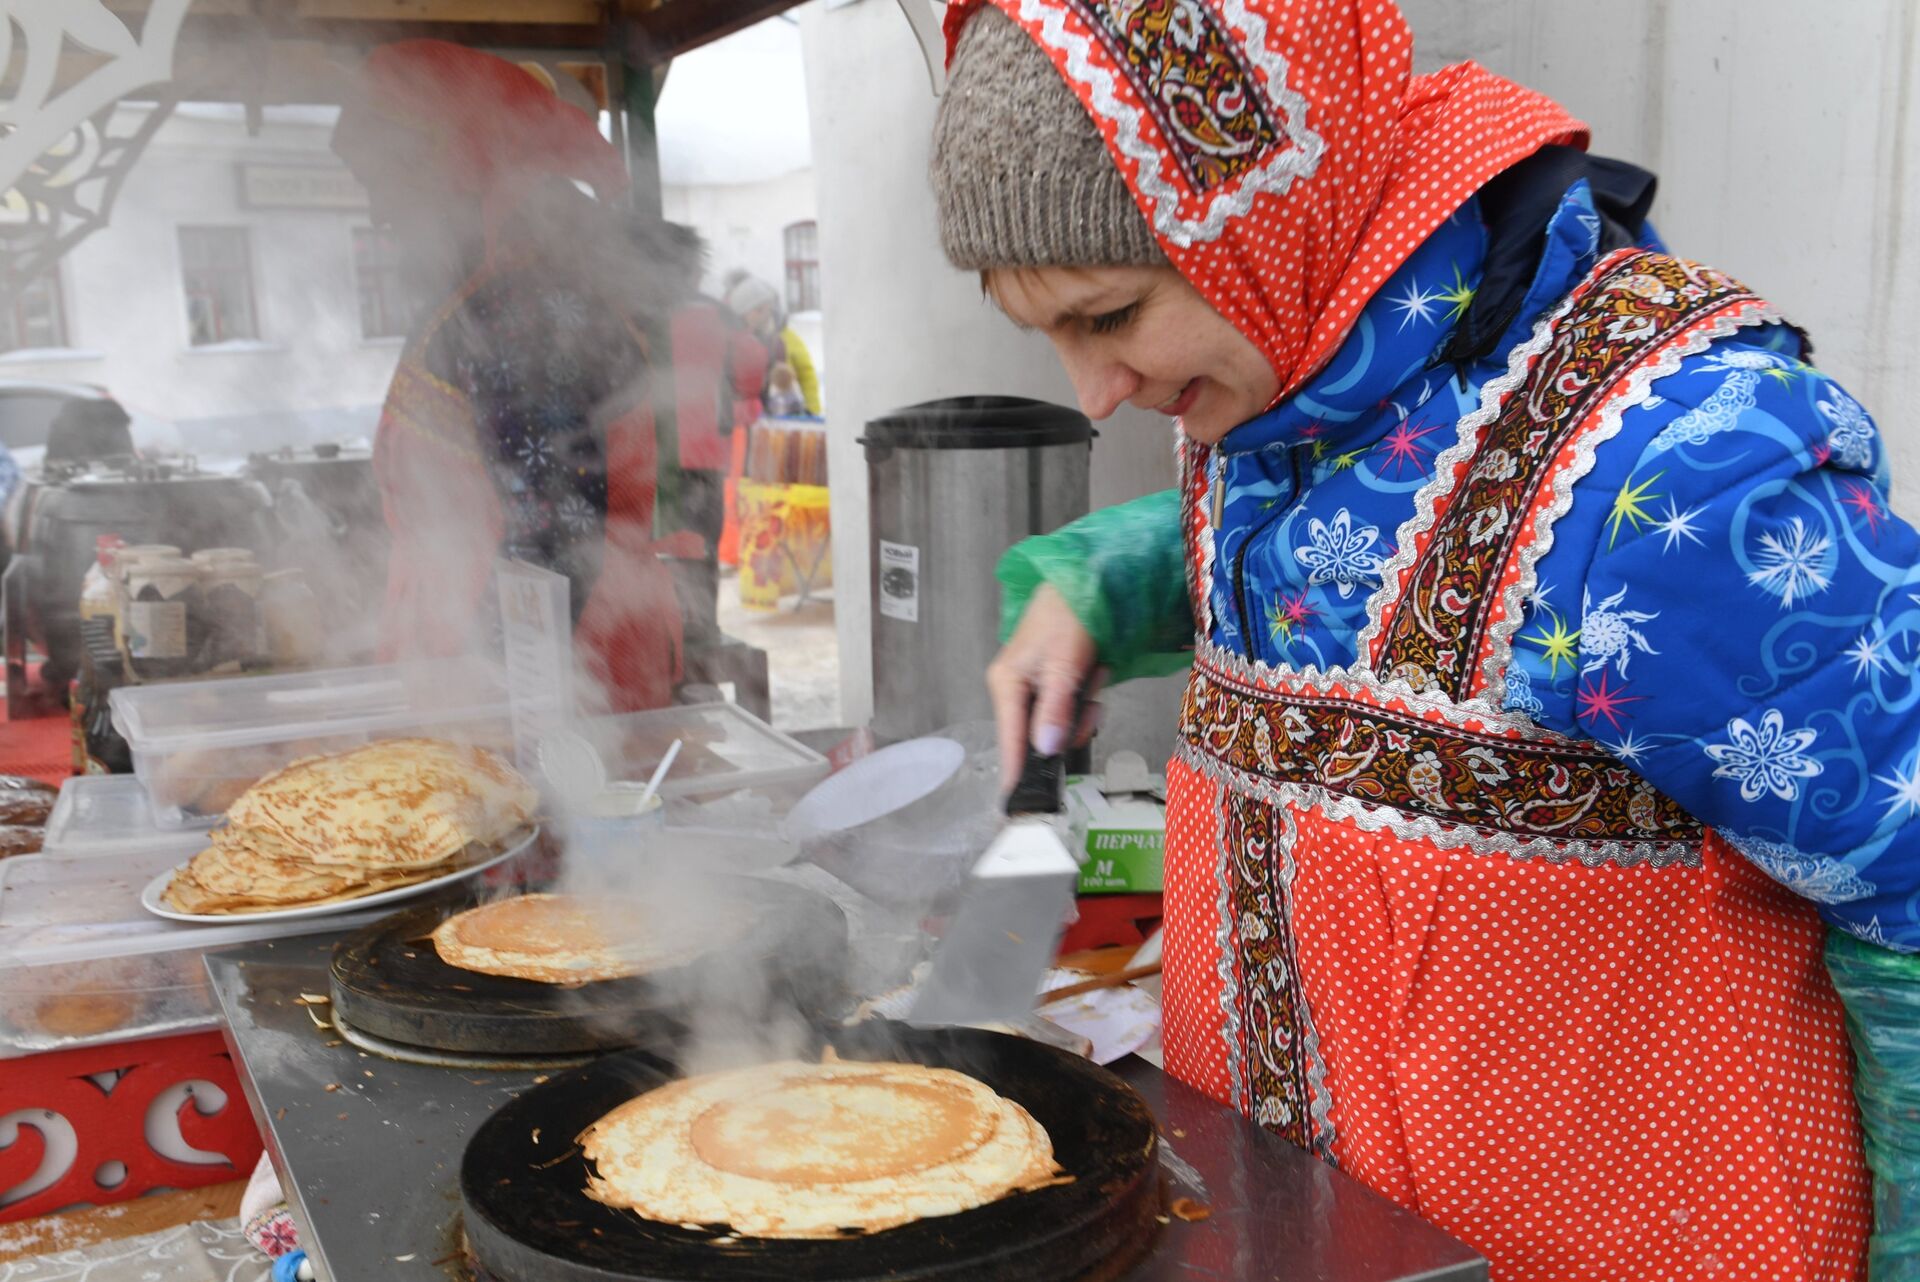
x=150, y=896
x=874, y=786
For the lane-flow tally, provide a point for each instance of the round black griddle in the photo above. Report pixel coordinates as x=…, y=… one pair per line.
x=528, y=1218
x=388, y=981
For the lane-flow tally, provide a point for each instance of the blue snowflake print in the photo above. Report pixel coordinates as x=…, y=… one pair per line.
x=1851, y=439
x=1520, y=695
x=534, y=452
x=576, y=514
x=565, y=311
x=1768, y=758
x=1607, y=634
x=1340, y=554
x=1823, y=879
x=1792, y=564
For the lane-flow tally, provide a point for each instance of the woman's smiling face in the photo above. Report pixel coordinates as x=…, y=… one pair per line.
x=1142, y=336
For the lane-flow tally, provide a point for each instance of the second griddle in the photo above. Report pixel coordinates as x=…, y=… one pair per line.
x=388, y=980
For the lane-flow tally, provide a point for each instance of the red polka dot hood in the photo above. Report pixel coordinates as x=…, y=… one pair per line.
x=1283, y=152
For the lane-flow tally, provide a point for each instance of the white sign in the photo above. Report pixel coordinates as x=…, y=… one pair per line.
x=300, y=187
x=536, y=625
x=900, y=581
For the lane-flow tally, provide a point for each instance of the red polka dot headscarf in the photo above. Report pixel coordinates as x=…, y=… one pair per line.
x=1285, y=156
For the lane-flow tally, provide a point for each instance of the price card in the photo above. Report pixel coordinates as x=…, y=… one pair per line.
x=536, y=625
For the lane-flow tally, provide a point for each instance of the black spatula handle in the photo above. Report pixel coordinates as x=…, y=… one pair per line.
x=1042, y=786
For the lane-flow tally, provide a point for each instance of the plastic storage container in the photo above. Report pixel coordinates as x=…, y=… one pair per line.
x=726, y=749
x=82, y=963
x=111, y=815
x=197, y=745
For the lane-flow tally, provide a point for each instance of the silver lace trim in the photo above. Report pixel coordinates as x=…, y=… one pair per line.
x=1493, y=395
x=1296, y=161
x=1422, y=829
x=1639, y=385
x=1262, y=677
x=1195, y=491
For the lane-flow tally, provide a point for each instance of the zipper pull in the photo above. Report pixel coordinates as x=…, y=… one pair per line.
x=1219, y=501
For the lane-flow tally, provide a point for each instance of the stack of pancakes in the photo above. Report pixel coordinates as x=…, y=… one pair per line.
x=339, y=827
x=795, y=1150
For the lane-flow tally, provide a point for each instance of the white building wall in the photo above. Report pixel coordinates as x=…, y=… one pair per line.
x=1787, y=144
x=1786, y=137
x=902, y=326
x=743, y=223
x=126, y=310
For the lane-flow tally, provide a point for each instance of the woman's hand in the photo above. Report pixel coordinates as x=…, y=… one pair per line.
x=1035, y=679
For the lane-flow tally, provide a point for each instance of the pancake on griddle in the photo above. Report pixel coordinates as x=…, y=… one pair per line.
x=566, y=939
x=330, y=829
x=793, y=1150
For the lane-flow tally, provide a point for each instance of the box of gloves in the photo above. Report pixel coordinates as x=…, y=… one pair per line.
x=1120, y=819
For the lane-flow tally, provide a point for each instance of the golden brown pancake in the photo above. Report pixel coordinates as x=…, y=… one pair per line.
x=563, y=939
x=84, y=1013
x=394, y=803
x=793, y=1150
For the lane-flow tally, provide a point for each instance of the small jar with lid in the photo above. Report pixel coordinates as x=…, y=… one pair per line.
x=163, y=617
x=231, y=582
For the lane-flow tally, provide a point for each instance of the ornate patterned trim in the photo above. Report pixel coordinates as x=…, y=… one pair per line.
x=1633, y=306
x=1226, y=955
x=1298, y=157
x=1420, y=828
x=1448, y=467
x=1285, y=1072
x=1639, y=385
x=1375, y=688
x=1194, y=81
x=1538, y=796
x=1196, y=532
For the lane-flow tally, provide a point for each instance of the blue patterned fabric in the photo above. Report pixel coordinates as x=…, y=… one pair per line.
x=1729, y=605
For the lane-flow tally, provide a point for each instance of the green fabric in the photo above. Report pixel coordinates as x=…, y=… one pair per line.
x=1122, y=571
x=1881, y=990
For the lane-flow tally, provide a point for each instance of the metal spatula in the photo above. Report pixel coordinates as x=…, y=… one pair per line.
x=1012, y=910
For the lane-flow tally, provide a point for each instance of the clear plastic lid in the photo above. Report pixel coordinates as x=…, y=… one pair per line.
x=112, y=815
x=68, y=911
x=247, y=710
x=724, y=748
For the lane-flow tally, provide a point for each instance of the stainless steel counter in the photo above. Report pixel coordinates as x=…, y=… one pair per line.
x=369, y=1153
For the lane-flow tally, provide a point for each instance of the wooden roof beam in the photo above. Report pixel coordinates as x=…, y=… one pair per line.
x=676, y=26
x=584, y=13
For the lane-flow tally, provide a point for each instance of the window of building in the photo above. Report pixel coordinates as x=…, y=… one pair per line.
x=803, y=267
x=386, y=310
x=216, y=265
x=36, y=317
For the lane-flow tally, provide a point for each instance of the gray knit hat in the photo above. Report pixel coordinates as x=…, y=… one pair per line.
x=1020, y=172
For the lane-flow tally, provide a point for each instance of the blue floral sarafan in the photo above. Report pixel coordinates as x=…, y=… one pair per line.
x=1728, y=605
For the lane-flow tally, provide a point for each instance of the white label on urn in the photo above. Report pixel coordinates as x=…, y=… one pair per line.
x=900, y=581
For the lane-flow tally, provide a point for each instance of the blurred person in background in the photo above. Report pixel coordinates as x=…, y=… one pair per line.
x=518, y=422
x=86, y=429
x=757, y=304
x=719, y=369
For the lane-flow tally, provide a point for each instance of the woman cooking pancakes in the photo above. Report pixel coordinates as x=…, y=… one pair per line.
x=1544, y=695
x=517, y=423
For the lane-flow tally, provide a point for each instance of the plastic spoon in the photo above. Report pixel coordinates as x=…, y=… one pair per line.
x=659, y=773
